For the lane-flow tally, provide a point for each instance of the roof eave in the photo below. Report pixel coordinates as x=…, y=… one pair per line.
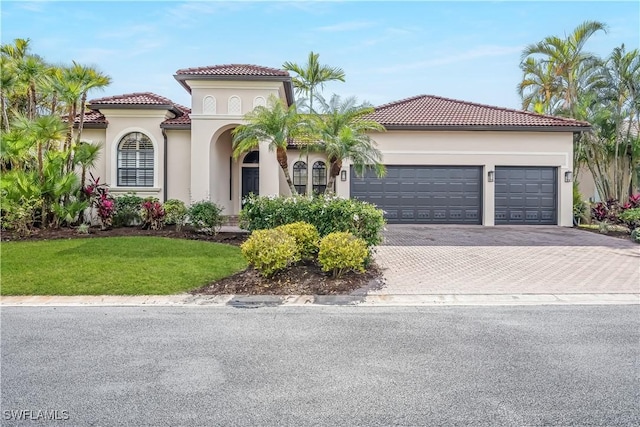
x=172, y=126
x=86, y=125
x=286, y=81
x=490, y=128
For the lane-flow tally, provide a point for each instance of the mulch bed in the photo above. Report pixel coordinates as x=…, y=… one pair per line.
x=231, y=238
x=307, y=279
x=612, y=233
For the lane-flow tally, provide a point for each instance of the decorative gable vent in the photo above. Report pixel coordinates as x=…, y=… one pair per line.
x=235, y=105
x=209, y=105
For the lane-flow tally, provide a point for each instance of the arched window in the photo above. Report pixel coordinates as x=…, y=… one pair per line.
x=135, y=161
x=300, y=177
x=319, y=177
x=252, y=157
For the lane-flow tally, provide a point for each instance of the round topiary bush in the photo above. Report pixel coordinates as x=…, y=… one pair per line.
x=635, y=235
x=342, y=251
x=270, y=251
x=307, y=238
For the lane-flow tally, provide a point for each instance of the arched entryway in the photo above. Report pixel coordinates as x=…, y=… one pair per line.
x=251, y=174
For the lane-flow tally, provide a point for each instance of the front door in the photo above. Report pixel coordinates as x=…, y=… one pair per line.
x=250, y=181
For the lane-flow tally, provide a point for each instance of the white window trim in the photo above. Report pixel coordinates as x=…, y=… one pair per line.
x=114, y=159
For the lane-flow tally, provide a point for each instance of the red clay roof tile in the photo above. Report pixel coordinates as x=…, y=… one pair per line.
x=428, y=111
x=233, y=70
x=138, y=98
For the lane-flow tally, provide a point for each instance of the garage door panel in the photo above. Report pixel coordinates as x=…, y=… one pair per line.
x=424, y=194
x=525, y=195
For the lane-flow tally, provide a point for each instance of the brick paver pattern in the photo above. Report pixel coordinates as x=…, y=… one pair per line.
x=440, y=259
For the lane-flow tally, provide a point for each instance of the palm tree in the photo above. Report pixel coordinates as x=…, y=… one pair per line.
x=539, y=86
x=86, y=155
x=277, y=124
x=342, y=131
x=621, y=88
x=31, y=71
x=567, y=59
x=311, y=75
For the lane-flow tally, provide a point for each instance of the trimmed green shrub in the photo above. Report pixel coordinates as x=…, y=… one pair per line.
x=205, y=216
x=631, y=217
x=307, y=238
x=270, y=251
x=635, y=235
x=175, y=213
x=328, y=214
x=342, y=251
x=127, y=210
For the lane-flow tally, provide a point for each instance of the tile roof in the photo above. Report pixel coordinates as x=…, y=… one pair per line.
x=139, y=98
x=434, y=112
x=181, y=121
x=92, y=117
x=233, y=70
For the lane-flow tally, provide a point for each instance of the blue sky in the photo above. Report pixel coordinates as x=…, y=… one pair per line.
x=389, y=50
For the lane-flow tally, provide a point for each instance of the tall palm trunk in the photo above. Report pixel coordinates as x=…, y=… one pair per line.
x=335, y=165
x=281, y=155
x=5, y=117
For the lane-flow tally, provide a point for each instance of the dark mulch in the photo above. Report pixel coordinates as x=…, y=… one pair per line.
x=612, y=233
x=306, y=279
x=231, y=238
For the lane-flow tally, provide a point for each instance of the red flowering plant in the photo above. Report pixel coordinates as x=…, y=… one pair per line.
x=153, y=214
x=101, y=200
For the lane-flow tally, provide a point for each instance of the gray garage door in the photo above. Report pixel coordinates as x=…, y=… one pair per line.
x=424, y=194
x=526, y=195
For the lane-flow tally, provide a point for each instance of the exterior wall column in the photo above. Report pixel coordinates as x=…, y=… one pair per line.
x=565, y=197
x=270, y=171
x=200, y=161
x=488, y=196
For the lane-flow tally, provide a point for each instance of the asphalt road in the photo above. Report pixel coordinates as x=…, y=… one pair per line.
x=338, y=366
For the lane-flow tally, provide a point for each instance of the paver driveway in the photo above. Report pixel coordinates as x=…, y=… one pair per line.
x=438, y=259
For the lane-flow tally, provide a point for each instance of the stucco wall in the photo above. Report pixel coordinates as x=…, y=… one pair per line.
x=179, y=165
x=486, y=149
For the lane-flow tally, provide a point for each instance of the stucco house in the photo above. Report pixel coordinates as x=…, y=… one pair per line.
x=448, y=161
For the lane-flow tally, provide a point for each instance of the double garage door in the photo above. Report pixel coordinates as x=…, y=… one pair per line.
x=453, y=194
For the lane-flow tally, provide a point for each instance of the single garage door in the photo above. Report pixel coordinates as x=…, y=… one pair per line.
x=526, y=195
x=424, y=194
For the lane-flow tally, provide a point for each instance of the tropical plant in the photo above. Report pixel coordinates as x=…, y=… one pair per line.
x=175, y=213
x=327, y=214
x=342, y=130
x=152, y=214
x=567, y=60
x=127, y=210
x=205, y=216
x=311, y=75
x=277, y=125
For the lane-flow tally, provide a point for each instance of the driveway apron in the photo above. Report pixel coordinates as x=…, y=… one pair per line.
x=439, y=259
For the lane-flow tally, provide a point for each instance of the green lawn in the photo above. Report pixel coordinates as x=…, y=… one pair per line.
x=114, y=266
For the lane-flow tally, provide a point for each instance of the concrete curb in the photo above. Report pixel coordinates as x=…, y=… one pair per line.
x=255, y=301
